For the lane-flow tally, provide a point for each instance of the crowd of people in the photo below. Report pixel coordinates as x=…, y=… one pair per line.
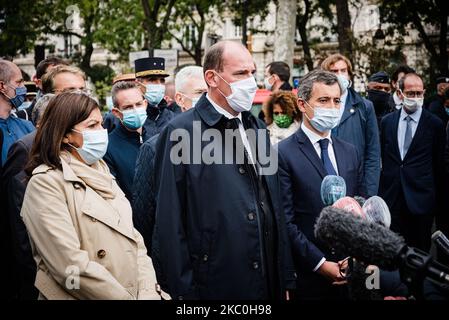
x=154, y=200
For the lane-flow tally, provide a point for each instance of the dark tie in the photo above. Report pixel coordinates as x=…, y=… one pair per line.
x=324, y=145
x=408, y=135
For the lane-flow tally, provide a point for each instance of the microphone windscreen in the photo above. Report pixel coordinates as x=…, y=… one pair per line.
x=376, y=210
x=332, y=189
x=353, y=236
x=349, y=204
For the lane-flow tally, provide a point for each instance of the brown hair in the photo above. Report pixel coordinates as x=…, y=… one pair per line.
x=48, y=85
x=287, y=101
x=63, y=112
x=334, y=58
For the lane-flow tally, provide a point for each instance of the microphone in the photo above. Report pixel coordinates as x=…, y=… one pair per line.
x=349, y=204
x=376, y=210
x=374, y=244
x=332, y=189
x=351, y=235
x=441, y=241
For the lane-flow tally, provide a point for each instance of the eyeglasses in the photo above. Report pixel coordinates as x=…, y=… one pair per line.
x=74, y=90
x=413, y=94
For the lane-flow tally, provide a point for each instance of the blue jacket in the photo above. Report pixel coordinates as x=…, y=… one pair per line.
x=157, y=119
x=358, y=126
x=301, y=173
x=420, y=176
x=13, y=129
x=143, y=202
x=208, y=231
x=123, y=148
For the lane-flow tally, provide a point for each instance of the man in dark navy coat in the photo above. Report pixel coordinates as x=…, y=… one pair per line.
x=305, y=159
x=412, y=141
x=125, y=141
x=220, y=230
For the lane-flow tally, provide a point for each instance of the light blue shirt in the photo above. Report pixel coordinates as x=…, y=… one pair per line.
x=403, y=126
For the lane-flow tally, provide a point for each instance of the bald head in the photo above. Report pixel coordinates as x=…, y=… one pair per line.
x=217, y=54
x=412, y=81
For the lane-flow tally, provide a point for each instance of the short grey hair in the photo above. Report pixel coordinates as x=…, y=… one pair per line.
x=317, y=75
x=6, y=70
x=40, y=107
x=121, y=86
x=185, y=75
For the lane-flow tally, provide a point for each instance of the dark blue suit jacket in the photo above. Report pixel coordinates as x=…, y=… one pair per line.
x=420, y=174
x=301, y=173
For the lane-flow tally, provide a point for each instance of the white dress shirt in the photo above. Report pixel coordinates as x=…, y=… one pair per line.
x=241, y=127
x=403, y=126
x=314, y=139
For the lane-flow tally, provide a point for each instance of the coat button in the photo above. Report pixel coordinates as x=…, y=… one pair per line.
x=205, y=258
x=101, y=254
x=251, y=216
x=242, y=170
x=255, y=265
x=262, y=204
x=94, y=220
x=76, y=185
x=229, y=124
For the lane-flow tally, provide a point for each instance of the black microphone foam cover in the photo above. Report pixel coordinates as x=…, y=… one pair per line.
x=351, y=235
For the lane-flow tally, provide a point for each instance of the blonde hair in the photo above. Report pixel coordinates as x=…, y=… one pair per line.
x=48, y=78
x=333, y=59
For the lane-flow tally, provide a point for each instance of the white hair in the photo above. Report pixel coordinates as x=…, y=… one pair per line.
x=185, y=75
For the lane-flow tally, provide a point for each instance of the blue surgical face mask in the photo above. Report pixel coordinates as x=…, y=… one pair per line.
x=154, y=93
x=447, y=110
x=324, y=119
x=95, y=145
x=135, y=118
x=24, y=105
x=19, y=98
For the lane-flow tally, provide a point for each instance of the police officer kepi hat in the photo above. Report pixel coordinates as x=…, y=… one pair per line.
x=150, y=67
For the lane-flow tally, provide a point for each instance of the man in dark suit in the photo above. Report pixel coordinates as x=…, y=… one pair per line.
x=305, y=158
x=413, y=143
x=219, y=230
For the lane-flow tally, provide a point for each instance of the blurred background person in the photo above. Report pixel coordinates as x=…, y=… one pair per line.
x=379, y=93
x=42, y=68
x=78, y=219
x=282, y=115
x=358, y=122
x=412, y=181
x=64, y=78
x=395, y=102
x=277, y=76
x=190, y=86
x=439, y=105
x=151, y=74
x=14, y=180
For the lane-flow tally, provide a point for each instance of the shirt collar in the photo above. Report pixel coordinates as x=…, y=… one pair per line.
x=314, y=137
x=222, y=111
x=415, y=116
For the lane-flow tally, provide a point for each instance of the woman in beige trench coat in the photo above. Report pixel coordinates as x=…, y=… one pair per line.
x=79, y=221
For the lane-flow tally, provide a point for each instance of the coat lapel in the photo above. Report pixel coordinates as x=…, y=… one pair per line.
x=351, y=106
x=309, y=151
x=96, y=207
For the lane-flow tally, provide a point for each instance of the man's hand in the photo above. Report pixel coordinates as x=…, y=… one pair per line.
x=331, y=270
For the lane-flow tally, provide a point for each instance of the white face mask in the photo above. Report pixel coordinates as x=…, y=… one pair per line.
x=412, y=104
x=344, y=82
x=95, y=145
x=267, y=83
x=243, y=93
x=324, y=119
